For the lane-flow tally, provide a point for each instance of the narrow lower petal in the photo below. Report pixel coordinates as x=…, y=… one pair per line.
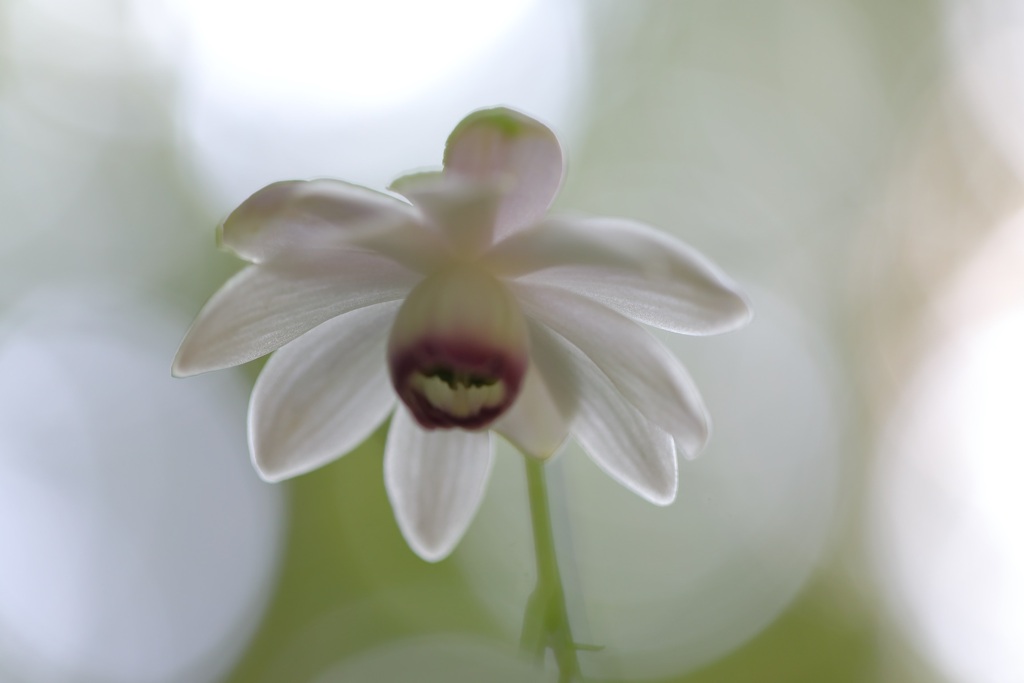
x=321, y=395
x=266, y=306
x=641, y=369
x=308, y=215
x=625, y=444
x=435, y=481
x=632, y=268
x=535, y=423
x=505, y=146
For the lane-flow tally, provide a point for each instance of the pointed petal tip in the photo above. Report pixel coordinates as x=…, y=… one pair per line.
x=735, y=305
x=275, y=461
x=259, y=464
x=691, y=445
x=267, y=476
x=264, y=465
x=662, y=493
x=430, y=553
x=744, y=308
x=181, y=367
x=258, y=452
x=690, y=454
x=665, y=500
x=188, y=363
x=734, y=312
x=430, y=545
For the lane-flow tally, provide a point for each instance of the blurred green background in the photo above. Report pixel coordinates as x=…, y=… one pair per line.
x=855, y=164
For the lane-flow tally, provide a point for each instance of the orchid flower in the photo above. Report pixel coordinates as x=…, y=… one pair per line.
x=458, y=306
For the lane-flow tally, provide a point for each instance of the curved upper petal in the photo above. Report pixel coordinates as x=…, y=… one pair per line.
x=413, y=179
x=505, y=146
x=435, y=481
x=322, y=395
x=630, y=448
x=265, y=306
x=632, y=268
x=308, y=215
x=462, y=211
x=640, y=368
x=534, y=423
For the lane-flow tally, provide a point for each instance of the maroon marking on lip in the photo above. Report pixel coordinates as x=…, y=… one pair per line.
x=463, y=357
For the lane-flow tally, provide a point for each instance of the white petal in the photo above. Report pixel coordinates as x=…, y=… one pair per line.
x=409, y=181
x=534, y=424
x=435, y=481
x=506, y=146
x=321, y=395
x=265, y=306
x=308, y=215
x=462, y=211
x=630, y=267
x=625, y=444
x=647, y=374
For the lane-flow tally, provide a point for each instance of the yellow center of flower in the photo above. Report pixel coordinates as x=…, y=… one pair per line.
x=458, y=394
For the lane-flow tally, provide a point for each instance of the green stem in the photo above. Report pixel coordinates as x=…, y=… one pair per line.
x=546, y=623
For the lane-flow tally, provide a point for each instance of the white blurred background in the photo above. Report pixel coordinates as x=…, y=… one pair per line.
x=856, y=164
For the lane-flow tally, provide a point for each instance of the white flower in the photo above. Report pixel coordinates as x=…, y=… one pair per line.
x=462, y=311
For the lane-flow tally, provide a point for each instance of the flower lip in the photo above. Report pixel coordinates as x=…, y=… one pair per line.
x=458, y=349
x=452, y=382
